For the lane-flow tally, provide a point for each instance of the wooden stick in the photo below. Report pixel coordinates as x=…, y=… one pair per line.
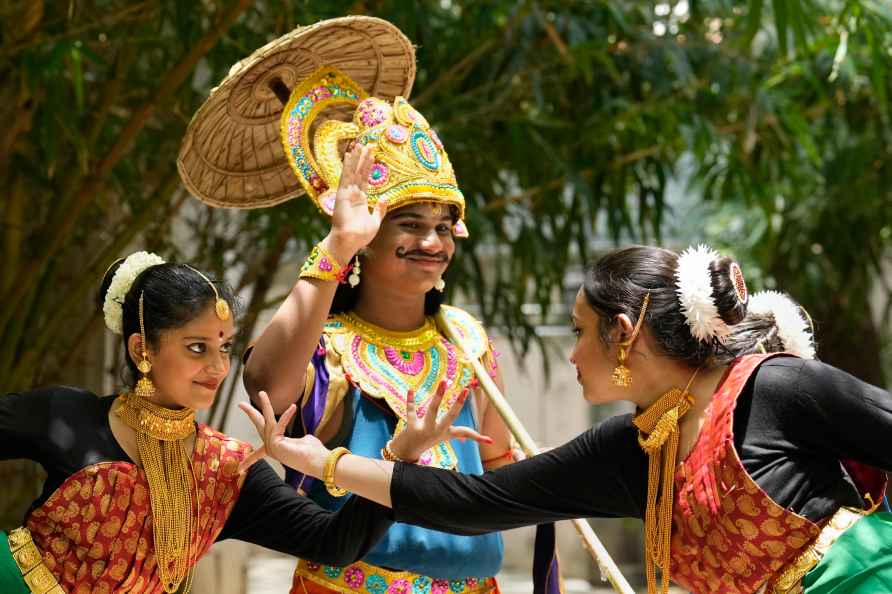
x=590, y=540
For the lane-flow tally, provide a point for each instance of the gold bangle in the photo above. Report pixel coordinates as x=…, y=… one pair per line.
x=387, y=453
x=329, y=470
x=320, y=264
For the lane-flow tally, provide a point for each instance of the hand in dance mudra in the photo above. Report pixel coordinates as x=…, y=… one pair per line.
x=352, y=223
x=307, y=454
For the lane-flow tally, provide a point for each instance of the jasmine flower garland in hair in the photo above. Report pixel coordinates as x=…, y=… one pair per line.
x=694, y=283
x=792, y=328
x=125, y=275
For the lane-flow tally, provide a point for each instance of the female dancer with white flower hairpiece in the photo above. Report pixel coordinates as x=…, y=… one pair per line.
x=753, y=472
x=136, y=491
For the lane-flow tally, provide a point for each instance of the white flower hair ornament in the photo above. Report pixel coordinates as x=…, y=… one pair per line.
x=694, y=289
x=125, y=275
x=792, y=327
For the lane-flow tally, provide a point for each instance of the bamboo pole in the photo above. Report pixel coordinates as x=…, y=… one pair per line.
x=590, y=540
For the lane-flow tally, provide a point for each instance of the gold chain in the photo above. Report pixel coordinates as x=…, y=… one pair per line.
x=160, y=439
x=658, y=437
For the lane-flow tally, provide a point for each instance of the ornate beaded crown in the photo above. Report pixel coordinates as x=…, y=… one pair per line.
x=411, y=165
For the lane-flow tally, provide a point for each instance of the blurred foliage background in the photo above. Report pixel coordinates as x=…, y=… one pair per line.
x=761, y=126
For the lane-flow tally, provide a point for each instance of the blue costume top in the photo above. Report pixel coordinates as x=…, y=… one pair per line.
x=369, y=370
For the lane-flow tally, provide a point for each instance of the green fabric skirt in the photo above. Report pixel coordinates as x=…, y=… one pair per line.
x=11, y=581
x=859, y=562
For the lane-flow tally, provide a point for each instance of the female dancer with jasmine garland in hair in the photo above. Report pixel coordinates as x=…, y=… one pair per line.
x=136, y=491
x=752, y=472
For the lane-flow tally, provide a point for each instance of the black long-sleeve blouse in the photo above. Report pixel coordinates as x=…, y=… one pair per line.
x=66, y=429
x=793, y=423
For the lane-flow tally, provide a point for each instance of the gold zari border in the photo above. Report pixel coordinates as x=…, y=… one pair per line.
x=789, y=580
x=38, y=578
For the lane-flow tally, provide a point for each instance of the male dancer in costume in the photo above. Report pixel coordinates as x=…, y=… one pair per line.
x=370, y=290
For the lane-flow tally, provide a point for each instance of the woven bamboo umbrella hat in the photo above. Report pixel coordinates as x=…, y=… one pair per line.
x=232, y=153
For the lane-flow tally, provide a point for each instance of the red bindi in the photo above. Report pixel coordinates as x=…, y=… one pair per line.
x=221, y=334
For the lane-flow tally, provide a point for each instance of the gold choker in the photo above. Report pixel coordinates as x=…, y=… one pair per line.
x=160, y=439
x=156, y=421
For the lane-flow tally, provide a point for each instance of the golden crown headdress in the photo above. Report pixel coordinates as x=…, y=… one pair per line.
x=411, y=166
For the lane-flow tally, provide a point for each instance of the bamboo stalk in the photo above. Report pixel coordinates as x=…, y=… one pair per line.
x=590, y=540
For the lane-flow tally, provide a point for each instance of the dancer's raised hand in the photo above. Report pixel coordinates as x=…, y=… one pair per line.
x=305, y=454
x=353, y=226
x=423, y=431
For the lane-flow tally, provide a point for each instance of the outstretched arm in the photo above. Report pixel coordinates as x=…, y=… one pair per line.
x=282, y=352
x=600, y=473
x=271, y=514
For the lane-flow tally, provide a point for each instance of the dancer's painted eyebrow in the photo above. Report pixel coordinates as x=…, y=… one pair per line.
x=407, y=215
x=417, y=216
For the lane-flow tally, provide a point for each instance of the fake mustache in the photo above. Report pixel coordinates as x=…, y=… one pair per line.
x=403, y=253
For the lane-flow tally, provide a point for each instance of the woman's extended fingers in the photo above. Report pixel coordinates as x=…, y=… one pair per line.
x=285, y=419
x=251, y=458
x=256, y=417
x=463, y=433
x=269, y=418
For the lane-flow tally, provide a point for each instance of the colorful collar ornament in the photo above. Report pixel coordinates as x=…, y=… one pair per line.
x=386, y=365
x=411, y=165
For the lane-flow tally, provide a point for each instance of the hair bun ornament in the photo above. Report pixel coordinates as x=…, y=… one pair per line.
x=113, y=304
x=694, y=289
x=792, y=327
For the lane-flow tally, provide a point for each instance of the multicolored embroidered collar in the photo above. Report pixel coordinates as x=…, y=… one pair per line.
x=387, y=364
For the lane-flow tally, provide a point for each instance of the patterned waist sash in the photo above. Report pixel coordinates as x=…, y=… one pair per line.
x=39, y=579
x=789, y=580
x=368, y=579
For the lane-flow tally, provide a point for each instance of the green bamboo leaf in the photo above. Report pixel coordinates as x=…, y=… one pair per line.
x=781, y=22
x=753, y=22
x=77, y=76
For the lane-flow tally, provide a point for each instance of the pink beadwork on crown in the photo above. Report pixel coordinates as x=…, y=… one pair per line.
x=397, y=134
x=372, y=112
x=379, y=175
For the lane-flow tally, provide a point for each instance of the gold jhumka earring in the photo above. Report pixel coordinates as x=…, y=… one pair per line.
x=144, y=387
x=622, y=375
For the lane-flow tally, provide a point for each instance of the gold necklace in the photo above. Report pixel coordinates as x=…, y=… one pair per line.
x=658, y=437
x=160, y=439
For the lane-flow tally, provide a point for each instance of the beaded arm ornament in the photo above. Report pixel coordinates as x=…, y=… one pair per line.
x=320, y=264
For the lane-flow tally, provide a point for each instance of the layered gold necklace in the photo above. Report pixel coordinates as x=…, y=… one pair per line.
x=161, y=440
x=658, y=436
